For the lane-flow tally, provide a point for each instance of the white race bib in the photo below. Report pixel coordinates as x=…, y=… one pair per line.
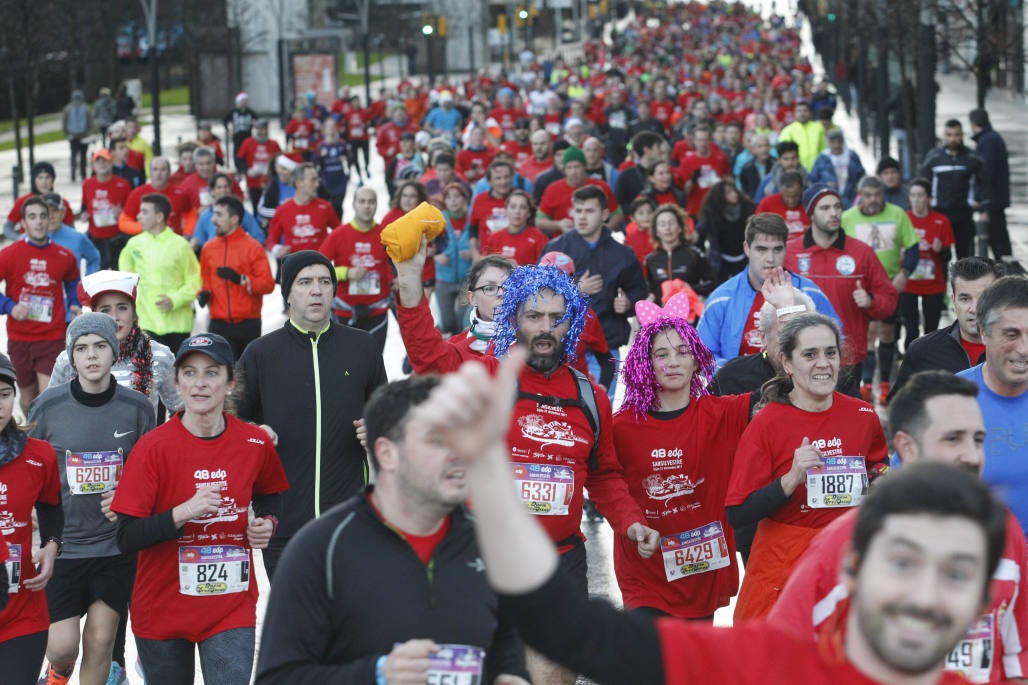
x=545, y=489
x=973, y=656
x=205, y=197
x=369, y=284
x=41, y=307
x=104, y=215
x=839, y=482
x=93, y=473
x=456, y=665
x=213, y=571
x=695, y=551
x=925, y=270
x=13, y=565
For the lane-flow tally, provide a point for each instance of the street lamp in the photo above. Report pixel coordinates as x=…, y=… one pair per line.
x=427, y=30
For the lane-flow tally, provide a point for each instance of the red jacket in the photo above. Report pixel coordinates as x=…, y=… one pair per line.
x=231, y=302
x=837, y=269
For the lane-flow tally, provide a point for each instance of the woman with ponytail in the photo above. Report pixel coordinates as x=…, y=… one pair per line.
x=143, y=364
x=804, y=460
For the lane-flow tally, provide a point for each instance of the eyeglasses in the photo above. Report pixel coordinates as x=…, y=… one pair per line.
x=490, y=289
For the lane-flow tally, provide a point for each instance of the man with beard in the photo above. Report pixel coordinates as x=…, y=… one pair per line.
x=935, y=418
x=926, y=543
x=562, y=438
x=847, y=271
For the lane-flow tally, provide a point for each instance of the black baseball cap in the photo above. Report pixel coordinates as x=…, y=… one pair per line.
x=211, y=344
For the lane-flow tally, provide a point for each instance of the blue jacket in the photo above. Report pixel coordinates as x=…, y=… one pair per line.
x=619, y=267
x=204, y=230
x=79, y=245
x=457, y=270
x=726, y=310
x=824, y=172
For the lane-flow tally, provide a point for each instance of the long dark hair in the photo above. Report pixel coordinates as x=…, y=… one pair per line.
x=714, y=204
x=778, y=388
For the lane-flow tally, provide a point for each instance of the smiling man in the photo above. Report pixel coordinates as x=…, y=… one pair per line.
x=307, y=384
x=935, y=418
x=1003, y=382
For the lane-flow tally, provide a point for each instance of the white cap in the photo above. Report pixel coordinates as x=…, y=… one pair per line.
x=100, y=282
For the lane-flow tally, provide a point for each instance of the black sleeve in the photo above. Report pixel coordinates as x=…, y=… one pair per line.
x=248, y=405
x=910, y=258
x=588, y=636
x=4, y=584
x=268, y=505
x=760, y=504
x=51, y=520
x=506, y=654
x=608, y=369
x=135, y=534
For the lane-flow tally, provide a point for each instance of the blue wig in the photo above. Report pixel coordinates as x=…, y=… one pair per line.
x=524, y=283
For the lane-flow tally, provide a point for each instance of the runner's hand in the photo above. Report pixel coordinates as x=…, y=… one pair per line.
x=259, y=532
x=646, y=538
x=408, y=663
x=362, y=432
x=470, y=410
x=806, y=456
x=777, y=289
x=44, y=560
x=105, y=506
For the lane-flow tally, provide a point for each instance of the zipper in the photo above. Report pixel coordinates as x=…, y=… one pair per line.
x=228, y=286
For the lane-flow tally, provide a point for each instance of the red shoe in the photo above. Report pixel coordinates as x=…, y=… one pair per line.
x=865, y=392
x=883, y=393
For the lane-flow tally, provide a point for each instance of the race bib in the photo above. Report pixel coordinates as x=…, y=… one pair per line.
x=707, y=178
x=104, y=215
x=356, y=131
x=258, y=169
x=213, y=571
x=545, y=489
x=13, y=565
x=369, y=284
x=205, y=197
x=93, y=473
x=456, y=665
x=839, y=482
x=301, y=143
x=925, y=270
x=41, y=307
x=498, y=221
x=695, y=551
x=972, y=657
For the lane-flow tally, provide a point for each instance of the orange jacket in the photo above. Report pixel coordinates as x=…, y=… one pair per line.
x=231, y=302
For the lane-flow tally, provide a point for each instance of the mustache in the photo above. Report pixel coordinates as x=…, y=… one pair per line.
x=938, y=618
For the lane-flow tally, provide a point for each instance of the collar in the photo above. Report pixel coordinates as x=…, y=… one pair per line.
x=353, y=224
x=315, y=336
x=93, y=399
x=839, y=243
x=35, y=244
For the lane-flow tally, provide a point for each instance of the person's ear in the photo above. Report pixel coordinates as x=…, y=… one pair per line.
x=386, y=453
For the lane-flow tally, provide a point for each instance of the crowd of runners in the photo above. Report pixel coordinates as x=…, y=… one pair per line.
x=652, y=285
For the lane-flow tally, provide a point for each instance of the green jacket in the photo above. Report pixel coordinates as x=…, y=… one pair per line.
x=810, y=137
x=166, y=265
x=890, y=233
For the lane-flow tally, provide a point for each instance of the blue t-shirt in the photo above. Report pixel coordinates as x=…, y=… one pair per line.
x=1006, y=444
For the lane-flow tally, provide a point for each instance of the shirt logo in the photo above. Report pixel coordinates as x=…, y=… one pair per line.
x=845, y=265
x=121, y=434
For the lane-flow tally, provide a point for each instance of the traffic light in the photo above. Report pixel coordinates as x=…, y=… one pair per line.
x=441, y=26
x=831, y=17
x=427, y=24
x=521, y=16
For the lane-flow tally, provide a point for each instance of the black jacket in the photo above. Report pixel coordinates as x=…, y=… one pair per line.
x=349, y=587
x=938, y=350
x=745, y=374
x=280, y=389
x=686, y=263
x=620, y=269
x=994, y=181
x=953, y=177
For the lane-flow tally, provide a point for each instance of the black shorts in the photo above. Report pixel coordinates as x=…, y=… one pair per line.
x=573, y=563
x=895, y=317
x=77, y=583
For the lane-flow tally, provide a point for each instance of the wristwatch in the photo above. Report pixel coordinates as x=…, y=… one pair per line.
x=57, y=540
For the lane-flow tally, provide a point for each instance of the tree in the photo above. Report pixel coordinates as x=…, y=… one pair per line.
x=986, y=37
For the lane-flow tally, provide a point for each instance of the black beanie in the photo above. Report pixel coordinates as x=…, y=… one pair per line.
x=297, y=262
